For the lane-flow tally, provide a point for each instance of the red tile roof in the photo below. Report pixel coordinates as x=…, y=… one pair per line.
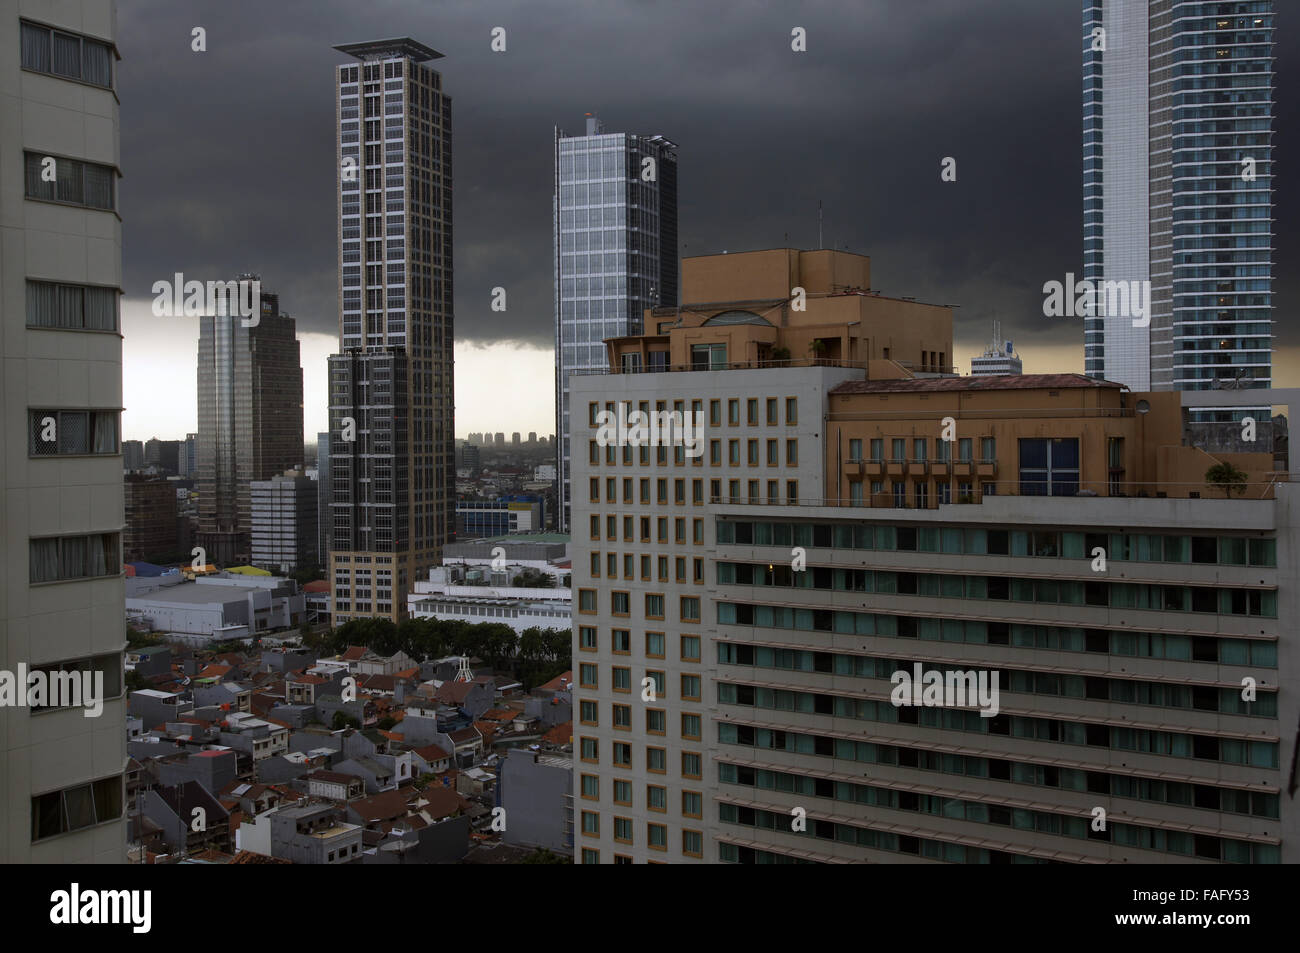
x=317, y=585
x=558, y=683
x=560, y=734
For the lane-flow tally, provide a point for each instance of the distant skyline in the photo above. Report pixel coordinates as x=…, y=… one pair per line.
x=861, y=122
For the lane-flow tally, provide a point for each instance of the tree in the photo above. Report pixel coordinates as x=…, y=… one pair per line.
x=533, y=579
x=341, y=721
x=1227, y=478
x=544, y=856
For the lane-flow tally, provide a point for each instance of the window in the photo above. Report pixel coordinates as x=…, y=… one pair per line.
x=591, y=787
x=733, y=412
x=792, y=492
x=654, y=648
x=922, y=494
x=792, y=453
x=918, y=449
x=715, y=413
x=657, y=836
x=622, y=716
x=588, y=675
x=733, y=452
x=75, y=808
x=590, y=824
x=708, y=357
x=690, y=609
x=751, y=452
x=71, y=307
x=72, y=432
x=691, y=764
x=691, y=727
x=877, y=450
x=751, y=412
x=75, y=182
x=107, y=666
x=590, y=749
x=690, y=648
x=656, y=797
x=656, y=760
x=588, y=712
x=855, y=451
x=623, y=829
x=622, y=678
x=943, y=450
x=59, y=558
x=693, y=843
x=67, y=54
x=622, y=753
x=590, y=856
x=692, y=804
x=791, y=410
x=586, y=600
x=621, y=641
x=964, y=449
x=897, y=450
x=622, y=791
x=771, y=411
x=656, y=721
x=690, y=687
x=988, y=449
x=619, y=603
x=1049, y=466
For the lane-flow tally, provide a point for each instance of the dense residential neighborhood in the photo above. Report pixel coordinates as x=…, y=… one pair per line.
x=286, y=754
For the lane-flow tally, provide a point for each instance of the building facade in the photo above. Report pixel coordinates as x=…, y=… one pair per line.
x=151, y=518
x=744, y=619
x=61, y=773
x=284, y=528
x=392, y=436
x=1177, y=135
x=614, y=213
x=324, y=516
x=250, y=419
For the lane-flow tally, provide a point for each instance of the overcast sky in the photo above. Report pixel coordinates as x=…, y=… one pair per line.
x=228, y=162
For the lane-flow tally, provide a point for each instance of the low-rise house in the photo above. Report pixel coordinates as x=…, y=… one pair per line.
x=314, y=833
x=536, y=790
x=335, y=785
x=189, y=817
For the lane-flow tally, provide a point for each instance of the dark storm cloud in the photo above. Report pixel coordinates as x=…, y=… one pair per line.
x=228, y=154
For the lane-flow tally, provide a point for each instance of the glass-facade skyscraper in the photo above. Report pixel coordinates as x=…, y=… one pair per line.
x=392, y=462
x=615, y=222
x=250, y=418
x=1177, y=151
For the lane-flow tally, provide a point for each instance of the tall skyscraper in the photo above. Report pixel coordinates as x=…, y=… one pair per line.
x=61, y=773
x=250, y=419
x=392, y=436
x=614, y=215
x=1177, y=137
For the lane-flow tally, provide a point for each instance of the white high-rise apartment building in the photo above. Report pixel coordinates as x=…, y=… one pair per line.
x=61, y=773
x=392, y=448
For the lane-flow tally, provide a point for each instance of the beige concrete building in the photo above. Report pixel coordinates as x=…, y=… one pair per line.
x=61, y=773
x=744, y=617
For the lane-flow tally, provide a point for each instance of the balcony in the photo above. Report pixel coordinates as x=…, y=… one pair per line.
x=987, y=468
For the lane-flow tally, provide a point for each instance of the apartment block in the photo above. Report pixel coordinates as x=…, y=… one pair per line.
x=738, y=644
x=150, y=518
x=284, y=530
x=61, y=773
